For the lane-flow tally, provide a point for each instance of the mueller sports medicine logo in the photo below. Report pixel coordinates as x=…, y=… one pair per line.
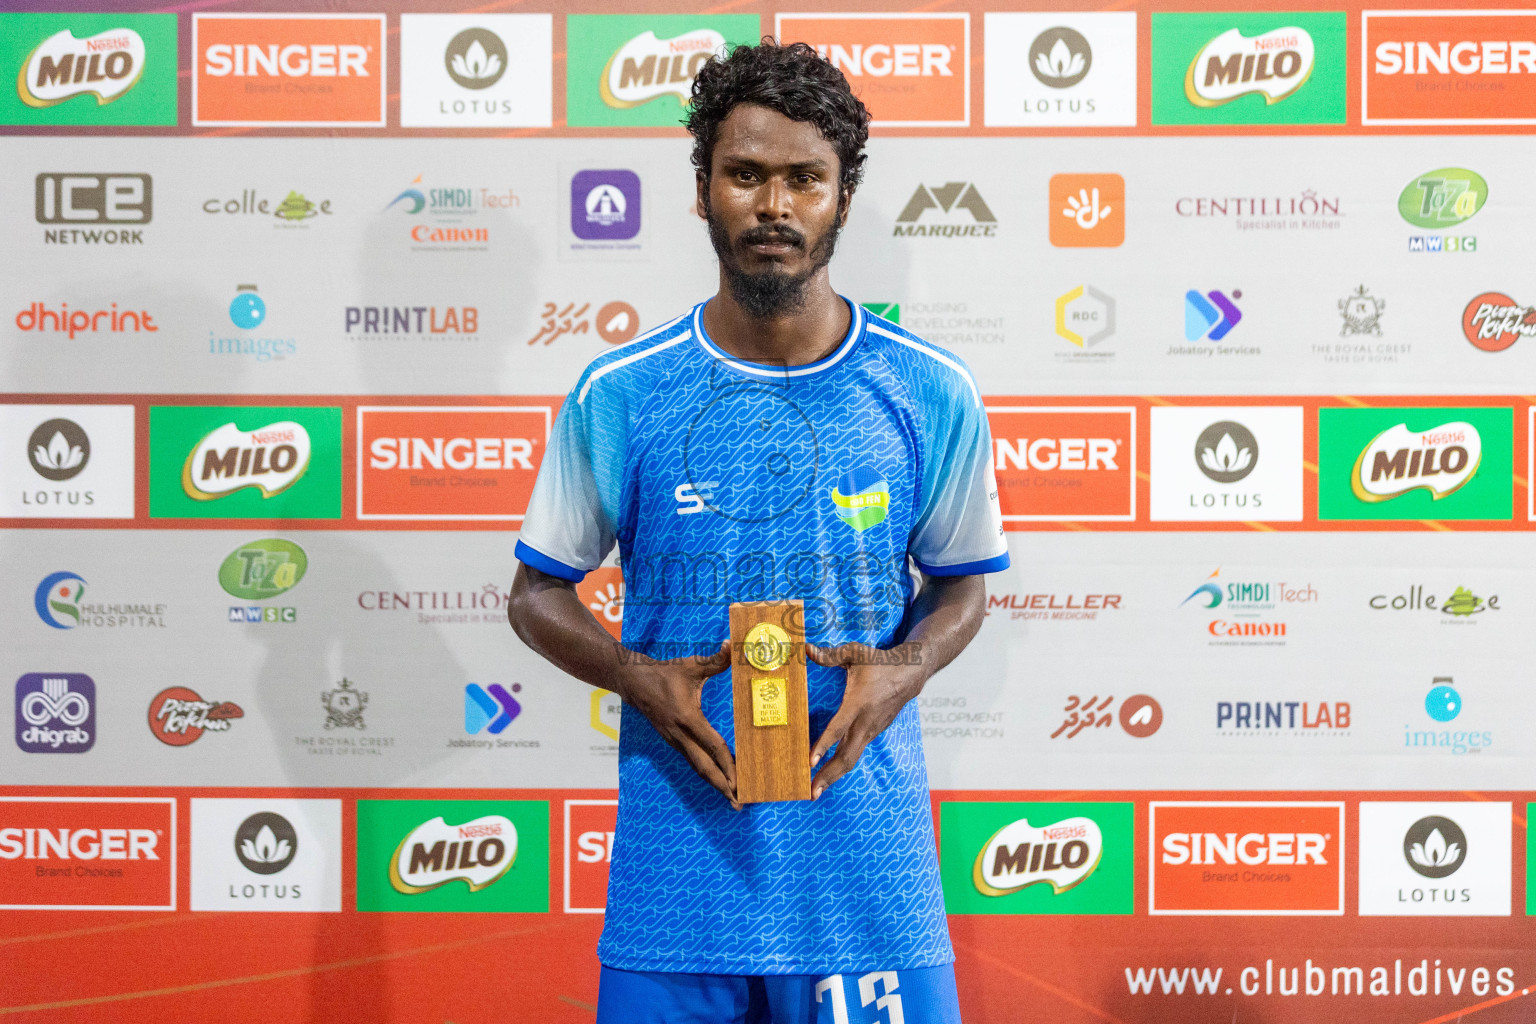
x=1246, y=858
x=99, y=208
x=1062, y=855
x=909, y=69
x=1441, y=460
x=1273, y=64
x=55, y=713
x=1064, y=462
x=281, y=69
x=955, y=210
x=105, y=65
x=1448, y=67
x=1493, y=321
x=270, y=459
x=87, y=853
x=477, y=853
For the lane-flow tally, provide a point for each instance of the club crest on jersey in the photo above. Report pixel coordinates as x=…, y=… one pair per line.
x=861, y=498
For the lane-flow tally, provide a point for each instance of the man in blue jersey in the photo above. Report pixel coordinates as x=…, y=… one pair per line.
x=774, y=442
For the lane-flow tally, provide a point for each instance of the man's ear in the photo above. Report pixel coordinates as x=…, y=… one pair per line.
x=701, y=195
x=844, y=202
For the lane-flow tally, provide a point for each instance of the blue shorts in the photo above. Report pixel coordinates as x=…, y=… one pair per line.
x=924, y=995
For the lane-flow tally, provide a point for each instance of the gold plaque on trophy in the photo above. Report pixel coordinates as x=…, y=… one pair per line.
x=773, y=727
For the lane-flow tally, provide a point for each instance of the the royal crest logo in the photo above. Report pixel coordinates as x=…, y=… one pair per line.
x=1019, y=854
x=1273, y=64
x=271, y=458
x=1398, y=460
x=432, y=854
x=646, y=67
x=344, y=706
x=1361, y=312
x=104, y=65
x=861, y=498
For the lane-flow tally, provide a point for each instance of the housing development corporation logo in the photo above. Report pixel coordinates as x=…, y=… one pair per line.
x=88, y=69
x=55, y=713
x=1493, y=321
x=1060, y=68
x=1424, y=859
x=1064, y=462
x=626, y=69
x=453, y=855
x=475, y=70
x=1470, y=67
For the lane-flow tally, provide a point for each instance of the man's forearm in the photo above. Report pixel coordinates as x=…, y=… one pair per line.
x=942, y=621
x=549, y=617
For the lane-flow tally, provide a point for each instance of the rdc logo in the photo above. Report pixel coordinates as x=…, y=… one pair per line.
x=55, y=713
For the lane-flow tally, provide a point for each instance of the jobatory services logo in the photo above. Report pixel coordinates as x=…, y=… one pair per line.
x=88, y=69
x=1249, y=68
x=1246, y=858
x=1415, y=463
x=1227, y=463
x=1085, y=317
x=1446, y=67
x=55, y=713
x=1037, y=858
x=288, y=70
x=178, y=716
x=1209, y=316
x=955, y=210
x=1444, y=704
x=59, y=601
x=1440, y=859
x=245, y=462
x=260, y=570
x=1060, y=69
x=266, y=855
x=1248, y=611
x=592, y=824
x=638, y=69
x=87, y=853
x=490, y=708
x=476, y=70
x=1073, y=463
x=1493, y=321
x=66, y=461
x=97, y=208
x=486, y=856
x=1087, y=209
x=448, y=462
x=911, y=70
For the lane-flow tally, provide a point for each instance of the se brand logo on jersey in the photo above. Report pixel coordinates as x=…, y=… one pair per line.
x=1448, y=67
x=62, y=853
x=626, y=69
x=861, y=498
x=55, y=713
x=288, y=69
x=1064, y=462
x=88, y=69
x=490, y=856
x=910, y=70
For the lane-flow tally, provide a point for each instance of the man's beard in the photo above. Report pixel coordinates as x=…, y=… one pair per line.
x=770, y=292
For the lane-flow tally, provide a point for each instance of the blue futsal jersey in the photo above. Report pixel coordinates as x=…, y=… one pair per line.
x=722, y=480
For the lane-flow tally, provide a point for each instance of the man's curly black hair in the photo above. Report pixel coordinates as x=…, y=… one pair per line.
x=794, y=80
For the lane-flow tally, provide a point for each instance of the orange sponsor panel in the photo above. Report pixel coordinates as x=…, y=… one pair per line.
x=1247, y=858
x=448, y=462
x=89, y=854
x=1087, y=210
x=288, y=69
x=1440, y=67
x=589, y=829
x=1064, y=462
x=909, y=69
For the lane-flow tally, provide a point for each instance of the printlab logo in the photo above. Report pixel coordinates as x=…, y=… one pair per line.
x=178, y=716
x=1493, y=321
x=58, y=449
x=1226, y=451
x=98, y=207
x=605, y=205
x=55, y=713
x=344, y=706
x=266, y=843
x=1087, y=209
x=1441, y=199
x=949, y=200
x=490, y=708
x=1435, y=847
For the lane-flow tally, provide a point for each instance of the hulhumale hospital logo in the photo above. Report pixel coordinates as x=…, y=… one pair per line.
x=861, y=498
x=58, y=599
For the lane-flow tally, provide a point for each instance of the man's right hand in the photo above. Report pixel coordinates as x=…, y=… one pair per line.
x=669, y=694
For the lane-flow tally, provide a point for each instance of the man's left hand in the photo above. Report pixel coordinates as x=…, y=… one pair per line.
x=880, y=683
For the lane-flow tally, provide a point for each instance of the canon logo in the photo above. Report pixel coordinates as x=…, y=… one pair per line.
x=451, y=453
x=1069, y=453
x=880, y=60
x=319, y=60
x=78, y=844
x=1252, y=848
x=1514, y=57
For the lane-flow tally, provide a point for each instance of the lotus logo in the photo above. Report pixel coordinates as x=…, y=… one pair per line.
x=1273, y=65
x=646, y=67
x=476, y=58
x=58, y=449
x=1226, y=452
x=1435, y=847
x=477, y=853
x=270, y=458
x=1062, y=855
x=104, y=65
x=266, y=843
x=1060, y=57
x=1440, y=460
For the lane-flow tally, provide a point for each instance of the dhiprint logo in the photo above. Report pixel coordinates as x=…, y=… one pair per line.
x=1435, y=847
x=178, y=716
x=948, y=199
x=1061, y=855
x=1273, y=64
x=105, y=65
x=475, y=70
x=1057, y=69
x=266, y=843
x=605, y=205
x=1087, y=209
x=1060, y=57
x=1493, y=321
x=861, y=498
x=490, y=708
x=1211, y=316
x=57, y=599
x=55, y=713
x=1423, y=859
x=58, y=449
x=1226, y=451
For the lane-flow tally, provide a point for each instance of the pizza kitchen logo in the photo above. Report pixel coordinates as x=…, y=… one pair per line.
x=271, y=459
x=1062, y=855
x=178, y=716
x=477, y=853
x=1493, y=321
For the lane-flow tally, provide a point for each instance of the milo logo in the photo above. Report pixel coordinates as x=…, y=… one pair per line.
x=1274, y=64
x=646, y=67
x=104, y=65
x=1398, y=460
x=270, y=458
x=435, y=853
x=1019, y=854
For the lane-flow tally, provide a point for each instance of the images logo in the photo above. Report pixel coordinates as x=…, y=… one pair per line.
x=312, y=70
x=1073, y=463
x=1442, y=702
x=475, y=70
x=411, y=852
x=861, y=498
x=910, y=70
x=1078, y=860
x=1493, y=321
x=178, y=716
x=1085, y=316
x=84, y=198
x=1448, y=67
x=1211, y=316
x=88, y=69
x=88, y=853
x=605, y=205
x=270, y=458
x=58, y=449
x=627, y=69
x=1233, y=65
x=248, y=311
x=266, y=843
x=490, y=708
x=57, y=599
x=947, y=198
x=55, y=713
x=1087, y=209
x=1408, y=847
x=1060, y=69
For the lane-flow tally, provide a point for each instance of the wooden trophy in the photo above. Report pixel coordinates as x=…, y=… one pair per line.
x=773, y=727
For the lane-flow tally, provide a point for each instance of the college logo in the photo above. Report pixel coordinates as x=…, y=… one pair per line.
x=447, y=855
x=87, y=853
x=38, y=317
x=1023, y=858
x=311, y=70
x=266, y=854
x=178, y=716
x=88, y=69
x=490, y=708
x=271, y=459
x=592, y=823
x=605, y=205
x=1251, y=68
x=1227, y=463
x=1087, y=209
x=1044, y=69
x=52, y=444
x=448, y=462
x=627, y=69
x=84, y=198
x=948, y=199
x=292, y=211
x=475, y=71
x=1247, y=858
x=1493, y=321
x=55, y=713
x=1435, y=859
x=1448, y=67
x=1460, y=608
x=911, y=70
x=1064, y=462
x=861, y=498
x=57, y=599
x=1424, y=463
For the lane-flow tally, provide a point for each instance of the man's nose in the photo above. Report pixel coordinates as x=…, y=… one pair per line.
x=773, y=201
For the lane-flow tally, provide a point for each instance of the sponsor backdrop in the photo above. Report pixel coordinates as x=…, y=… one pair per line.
x=291, y=298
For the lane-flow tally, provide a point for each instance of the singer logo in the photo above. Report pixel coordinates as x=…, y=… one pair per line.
x=1064, y=462
x=909, y=69
x=1247, y=858
x=1448, y=67
x=87, y=853
x=589, y=830
x=288, y=69
x=448, y=462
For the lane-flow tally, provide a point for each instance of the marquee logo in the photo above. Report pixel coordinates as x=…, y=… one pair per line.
x=1061, y=855
x=1493, y=321
x=271, y=459
x=87, y=853
x=1264, y=67
x=1441, y=460
x=104, y=65
x=55, y=713
x=1273, y=64
x=178, y=716
x=1064, y=462
x=947, y=199
x=1448, y=67
x=628, y=69
x=861, y=498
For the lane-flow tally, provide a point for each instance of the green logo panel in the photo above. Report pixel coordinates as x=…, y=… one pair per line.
x=978, y=839
x=410, y=856
x=1530, y=867
x=632, y=69
x=200, y=467
x=1417, y=475
x=125, y=75
x=1245, y=87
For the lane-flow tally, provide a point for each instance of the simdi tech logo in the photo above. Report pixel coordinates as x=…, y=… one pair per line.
x=88, y=69
x=66, y=461
x=1037, y=858
x=910, y=70
x=476, y=70
x=1448, y=67
x=1248, y=68
x=87, y=853
x=1060, y=69
x=245, y=462
x=630, y=69
x=957, y=208
x=1072, y=463
x=1416, y=463
x=297, y=70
